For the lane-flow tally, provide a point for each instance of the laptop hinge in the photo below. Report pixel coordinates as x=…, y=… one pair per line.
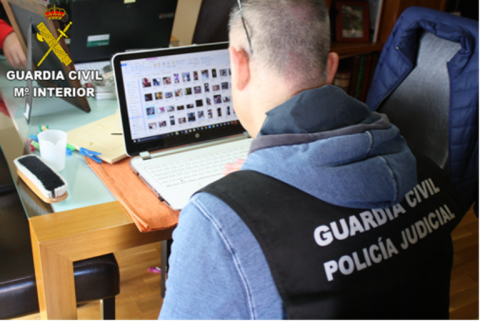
x=145, y=155
x=198, y=145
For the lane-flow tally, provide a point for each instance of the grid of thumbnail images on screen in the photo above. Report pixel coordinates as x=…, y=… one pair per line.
x=187, y=97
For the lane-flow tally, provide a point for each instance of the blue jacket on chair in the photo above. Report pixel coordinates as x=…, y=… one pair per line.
x=398, y=59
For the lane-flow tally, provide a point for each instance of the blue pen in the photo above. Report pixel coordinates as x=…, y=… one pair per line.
x=32, y=136
x=91, y=154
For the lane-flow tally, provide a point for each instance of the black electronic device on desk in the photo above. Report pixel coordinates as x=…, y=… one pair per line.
x=43, y=41
x=101, y=29
x=212, y=21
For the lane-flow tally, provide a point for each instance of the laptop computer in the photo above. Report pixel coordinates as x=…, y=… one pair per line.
x=177, y=114
x=100, y=29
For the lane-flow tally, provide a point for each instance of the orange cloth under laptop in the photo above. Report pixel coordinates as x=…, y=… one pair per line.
x=146, y=210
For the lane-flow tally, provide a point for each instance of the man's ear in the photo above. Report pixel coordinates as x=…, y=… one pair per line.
x=332, y=67
x=240, y=68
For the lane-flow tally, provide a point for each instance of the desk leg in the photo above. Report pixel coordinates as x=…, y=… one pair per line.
x=55, y=282
x=59, y=239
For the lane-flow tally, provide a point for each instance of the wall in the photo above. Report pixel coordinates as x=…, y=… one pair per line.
x=467, y=8
x=185, y=20
x=392, y=9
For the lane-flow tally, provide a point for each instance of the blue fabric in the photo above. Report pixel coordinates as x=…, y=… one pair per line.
x=217, y=269
x=397, y=60
x=371, y=169
x=298, y=115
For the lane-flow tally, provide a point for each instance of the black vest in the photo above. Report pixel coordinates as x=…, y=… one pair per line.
x=334, y=262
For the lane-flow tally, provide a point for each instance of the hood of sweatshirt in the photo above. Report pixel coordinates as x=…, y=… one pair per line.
x=331, y=146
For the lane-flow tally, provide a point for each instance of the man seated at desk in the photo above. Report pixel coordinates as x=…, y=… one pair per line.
x=343, y=221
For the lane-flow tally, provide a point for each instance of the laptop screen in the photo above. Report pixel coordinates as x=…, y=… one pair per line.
x=102, y=28
x=175, y=97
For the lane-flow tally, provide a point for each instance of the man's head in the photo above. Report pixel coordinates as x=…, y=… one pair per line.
x=290, y=40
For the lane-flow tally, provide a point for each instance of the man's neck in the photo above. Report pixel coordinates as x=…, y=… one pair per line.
x=268, y=95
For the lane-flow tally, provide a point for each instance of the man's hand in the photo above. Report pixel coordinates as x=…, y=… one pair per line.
x=230, y=168
x=13, y=52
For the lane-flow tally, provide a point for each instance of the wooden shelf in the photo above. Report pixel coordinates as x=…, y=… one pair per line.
x=348, y=49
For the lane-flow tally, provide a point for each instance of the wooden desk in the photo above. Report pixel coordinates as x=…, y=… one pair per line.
x=88, y=224
x=59, y=239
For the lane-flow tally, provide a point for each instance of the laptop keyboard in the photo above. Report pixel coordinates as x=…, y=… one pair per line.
x=195, y=168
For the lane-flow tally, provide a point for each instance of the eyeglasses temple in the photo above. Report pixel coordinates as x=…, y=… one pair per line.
x=245, y=26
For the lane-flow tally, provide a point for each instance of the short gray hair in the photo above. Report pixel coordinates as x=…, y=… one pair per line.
x=291, y=37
